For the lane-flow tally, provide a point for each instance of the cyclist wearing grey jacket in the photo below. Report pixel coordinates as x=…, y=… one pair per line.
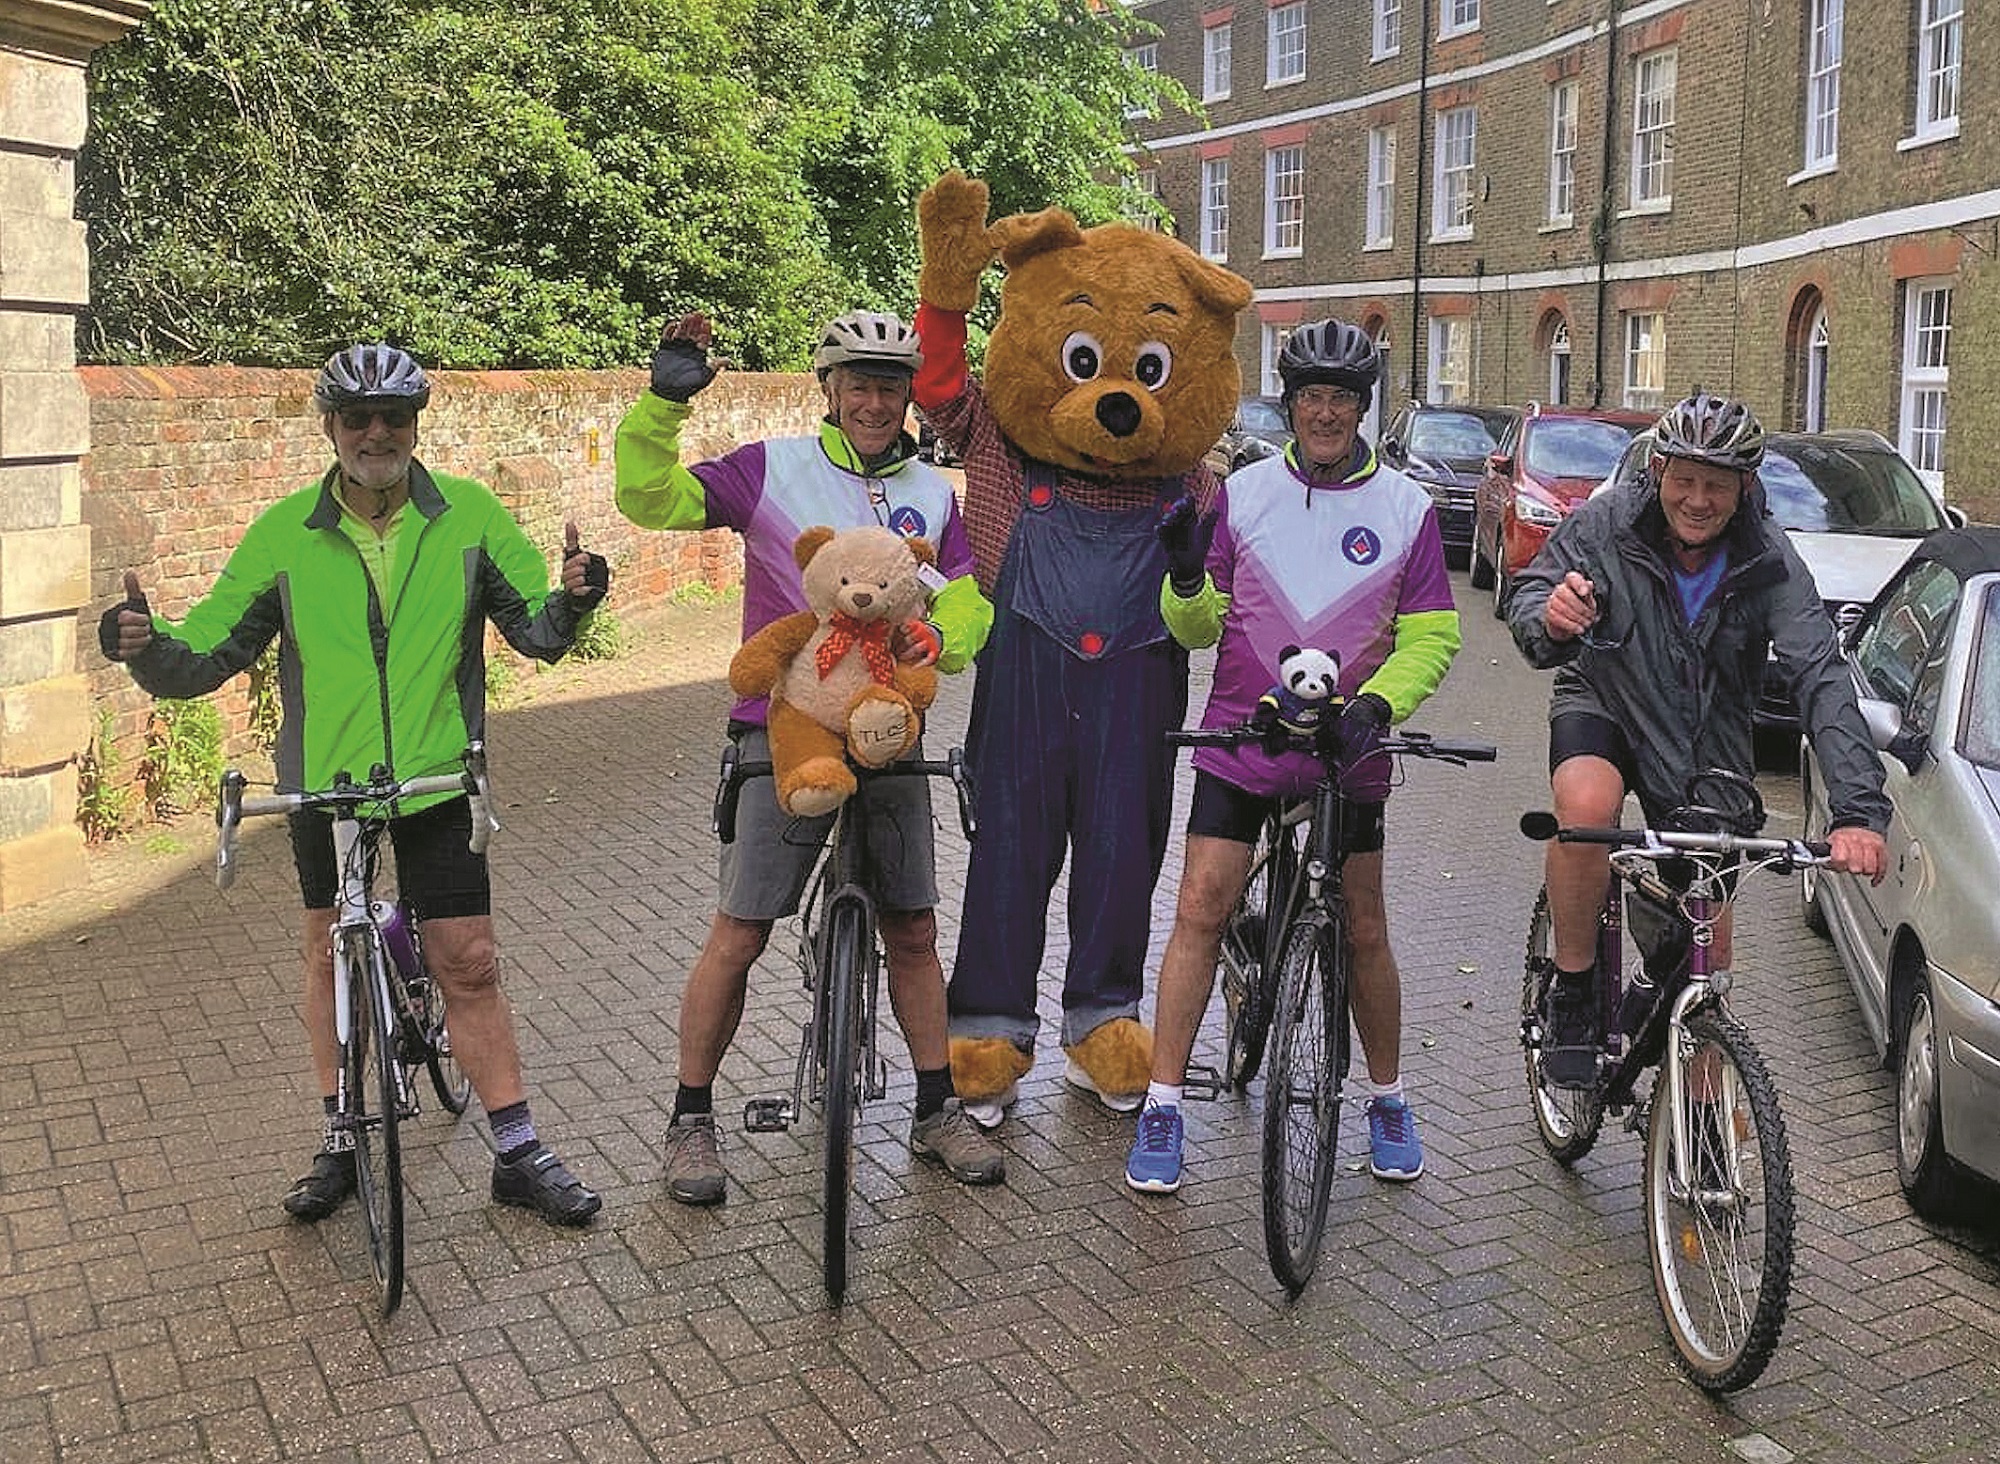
x=1659, y=606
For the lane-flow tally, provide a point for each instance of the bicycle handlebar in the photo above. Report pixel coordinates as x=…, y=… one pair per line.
x=1404, y=744
x=1669, y=843
x=734, y=775
x=346, y=797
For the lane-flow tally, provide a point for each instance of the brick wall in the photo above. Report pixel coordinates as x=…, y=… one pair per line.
x=183, y=458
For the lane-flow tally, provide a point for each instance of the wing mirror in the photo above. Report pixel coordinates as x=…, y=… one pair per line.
x=1888, y=732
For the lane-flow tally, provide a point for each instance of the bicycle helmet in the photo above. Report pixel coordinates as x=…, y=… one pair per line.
x=871, y=340
x=374, y=375
x=1330, y=353
x=1711, y=429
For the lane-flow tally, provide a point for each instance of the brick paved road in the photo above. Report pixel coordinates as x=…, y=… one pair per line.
x=155, y=1305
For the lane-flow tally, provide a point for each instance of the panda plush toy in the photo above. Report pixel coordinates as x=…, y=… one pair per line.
x=1305, y=700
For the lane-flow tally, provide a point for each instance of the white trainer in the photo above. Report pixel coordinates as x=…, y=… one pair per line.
x=1076, y=1077
x=988, y=1112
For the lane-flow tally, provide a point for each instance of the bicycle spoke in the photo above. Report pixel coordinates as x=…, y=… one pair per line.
x=1302, y=1094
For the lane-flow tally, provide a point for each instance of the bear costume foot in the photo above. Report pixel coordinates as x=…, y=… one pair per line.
x=1114, y=1063
x=986, y=1072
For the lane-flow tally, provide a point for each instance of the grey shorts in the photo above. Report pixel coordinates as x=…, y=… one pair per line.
x=763, y=873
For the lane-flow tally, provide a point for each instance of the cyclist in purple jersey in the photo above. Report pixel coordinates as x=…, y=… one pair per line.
x=1319, y=547
x=861, y=469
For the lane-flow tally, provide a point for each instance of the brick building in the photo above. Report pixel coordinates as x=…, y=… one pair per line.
x=1606, y=201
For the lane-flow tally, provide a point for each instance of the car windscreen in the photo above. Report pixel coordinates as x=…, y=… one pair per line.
x=1981, y=739
x=1575, y=447
x=1823, y=488
x=1261, y=418
x=1455, y=436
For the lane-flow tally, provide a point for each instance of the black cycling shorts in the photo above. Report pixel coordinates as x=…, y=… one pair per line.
x=1585, y=734
x=1221, y=810
x=435, y=871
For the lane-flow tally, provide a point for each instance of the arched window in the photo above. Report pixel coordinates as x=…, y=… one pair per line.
x=1559, y=363
x=1818, y=353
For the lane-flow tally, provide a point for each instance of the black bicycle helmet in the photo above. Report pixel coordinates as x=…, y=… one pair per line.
x=1710, y=429
x=1329, y=353
x=372, y=376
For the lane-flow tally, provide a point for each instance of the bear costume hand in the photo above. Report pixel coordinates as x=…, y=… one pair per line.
x=951, y=225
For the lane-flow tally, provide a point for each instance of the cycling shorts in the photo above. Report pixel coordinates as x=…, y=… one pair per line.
x=763, y=872
x=435, y=871
x=1221, y=810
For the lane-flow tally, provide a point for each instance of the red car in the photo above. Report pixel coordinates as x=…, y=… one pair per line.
x=1546, y=464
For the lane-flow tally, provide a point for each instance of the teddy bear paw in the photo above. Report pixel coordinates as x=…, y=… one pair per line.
x=879, y=731
x=816, y=786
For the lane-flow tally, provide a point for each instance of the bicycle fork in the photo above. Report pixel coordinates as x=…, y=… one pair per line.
x=1687, y=1079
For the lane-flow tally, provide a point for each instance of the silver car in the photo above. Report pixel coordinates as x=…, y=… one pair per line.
x=1922, y=949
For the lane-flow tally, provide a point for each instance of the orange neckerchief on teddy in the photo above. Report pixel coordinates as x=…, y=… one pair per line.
x=871, y=637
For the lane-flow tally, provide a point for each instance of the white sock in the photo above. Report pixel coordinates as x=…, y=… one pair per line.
x=1163, y=1095
x=1383, y=1090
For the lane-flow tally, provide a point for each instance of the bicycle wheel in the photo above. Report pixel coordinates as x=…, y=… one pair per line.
x=1722, y=1244
x=849, y=944
x=1308, y=1061
x=454, y=1089
x=368, y=1066
x=1566, y=1118
x=1249, y=980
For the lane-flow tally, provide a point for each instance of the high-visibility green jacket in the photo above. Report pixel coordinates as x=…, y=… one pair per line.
x=397, y=677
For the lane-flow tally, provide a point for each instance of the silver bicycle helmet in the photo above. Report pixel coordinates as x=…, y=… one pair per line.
x=872, y=340
x=1329, y=353
x=1710, y=429
x=374, y=375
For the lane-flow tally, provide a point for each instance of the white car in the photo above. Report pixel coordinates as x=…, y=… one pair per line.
x=1922, y=949
x=1854, y=510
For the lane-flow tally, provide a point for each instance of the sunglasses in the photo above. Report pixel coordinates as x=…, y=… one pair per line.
x=356, y=419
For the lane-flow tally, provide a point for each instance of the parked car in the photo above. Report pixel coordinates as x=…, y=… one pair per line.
x=930, y=447
x=1922, y=948
x=1258, y=430
x=1445, y=448
x=1854, y=508
x=1546, y=464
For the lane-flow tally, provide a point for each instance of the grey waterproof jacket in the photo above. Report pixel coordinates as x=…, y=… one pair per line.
x=1684, y=693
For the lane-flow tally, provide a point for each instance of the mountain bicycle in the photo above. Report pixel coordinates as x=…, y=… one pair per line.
x=1717, y=1173
x=840, y=960
x=389, y=1015
x=1284, y=965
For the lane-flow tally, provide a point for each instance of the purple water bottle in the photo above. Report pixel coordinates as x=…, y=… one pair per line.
x=393, y=919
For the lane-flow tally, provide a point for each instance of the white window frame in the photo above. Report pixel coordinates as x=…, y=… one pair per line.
x=1285, y=44
x=1285, y=201
x=1655, y=78
x=1145, y=184
x=1216, y=45
x=1940, y=53
x=1146, y=57
x=1371, y=424
x=1825, y=46
x=1215, y=208
x=1457, y=146
x=1819, y=360
x=1457, y=18
x=1646, y=361
x=1562, y=152
x=1559, y=364
x=1387, y=31
x=1379, y=216
x=1448, y=378
x=1274, y=338
x=1926, y=378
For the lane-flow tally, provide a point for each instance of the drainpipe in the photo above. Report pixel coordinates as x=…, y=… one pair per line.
x=1418, y=359
x=1600, y=226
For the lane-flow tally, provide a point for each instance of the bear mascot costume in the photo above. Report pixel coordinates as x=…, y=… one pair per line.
x=1109, y=375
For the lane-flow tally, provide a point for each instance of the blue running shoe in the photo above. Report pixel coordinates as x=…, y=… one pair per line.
x=1394, y=1151
x=1154, y=1167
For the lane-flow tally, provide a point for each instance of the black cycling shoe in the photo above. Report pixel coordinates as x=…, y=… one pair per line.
x=316, y=1195
x=1572, y=1033
x=541, y=1182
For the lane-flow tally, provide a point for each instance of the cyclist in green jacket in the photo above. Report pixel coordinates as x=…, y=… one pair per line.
x=377, y=581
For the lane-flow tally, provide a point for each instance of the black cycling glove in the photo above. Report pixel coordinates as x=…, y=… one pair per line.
x=596, y=583
x=107, y=625
x=1185, y=533
x=680, y=369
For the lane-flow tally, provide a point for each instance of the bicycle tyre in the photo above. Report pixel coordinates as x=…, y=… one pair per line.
x=368, y=1063
x=1302, y=1092
x=1722, y=1252
x=1567, y=1119
x=848, y=946
x=454, y=1088
x=1249, y=978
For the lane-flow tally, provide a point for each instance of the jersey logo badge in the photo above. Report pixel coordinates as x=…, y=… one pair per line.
x=1361, y=546
x=906, y=521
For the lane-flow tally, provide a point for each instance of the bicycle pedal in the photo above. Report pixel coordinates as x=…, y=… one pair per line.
x=767, y=1115
x=1203, y=1083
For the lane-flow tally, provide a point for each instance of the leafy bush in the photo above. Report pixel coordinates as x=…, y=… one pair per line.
x=183, y=761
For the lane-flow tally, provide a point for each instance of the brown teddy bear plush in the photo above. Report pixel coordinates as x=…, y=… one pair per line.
x=837, y=690
x=1109, y=375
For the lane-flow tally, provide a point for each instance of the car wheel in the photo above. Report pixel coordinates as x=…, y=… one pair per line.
x=1503, y=586
x=1481, y=568
x=1812, y=894
x=1922, y=1165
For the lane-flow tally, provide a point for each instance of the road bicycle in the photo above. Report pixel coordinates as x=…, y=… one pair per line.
x=1717, y=1170
x=840, y=959
x=388, y=1010
x=1284, y=970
